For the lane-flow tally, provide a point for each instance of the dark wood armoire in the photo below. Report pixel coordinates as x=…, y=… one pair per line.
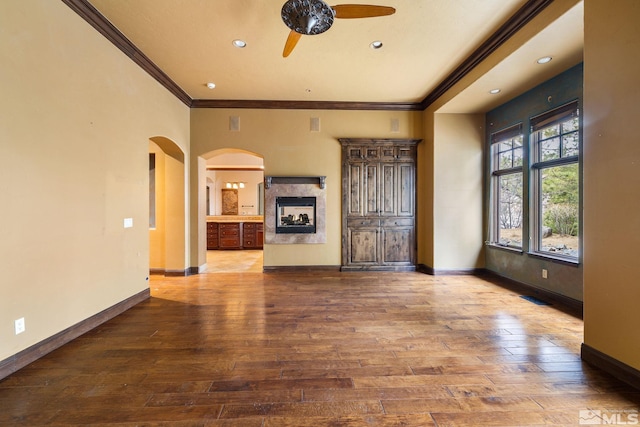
x=378, y=204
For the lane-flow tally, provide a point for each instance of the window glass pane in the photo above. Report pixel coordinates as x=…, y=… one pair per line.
x=509, y=153
x=551, y=131
x=510, y=210
x=504, y=146
x=550, y=149
x=570, y=144
x=517, y=157
x=559, y=201
x=570, y=125
x=505, y=160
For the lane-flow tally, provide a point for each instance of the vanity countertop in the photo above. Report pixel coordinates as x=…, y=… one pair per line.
x=235, y=218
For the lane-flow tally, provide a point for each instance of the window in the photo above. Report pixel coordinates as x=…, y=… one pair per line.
x=507, y=186
x=555, y=138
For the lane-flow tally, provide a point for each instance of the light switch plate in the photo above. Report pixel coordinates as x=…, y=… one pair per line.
x=128, y=222
x=20, y=326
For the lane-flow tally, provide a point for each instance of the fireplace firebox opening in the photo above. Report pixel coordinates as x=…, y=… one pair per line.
x=295, y=215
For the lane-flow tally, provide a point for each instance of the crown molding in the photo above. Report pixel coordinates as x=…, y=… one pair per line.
x=305, y=105
x=514, y=24
x=525, y=14
x=111, y=33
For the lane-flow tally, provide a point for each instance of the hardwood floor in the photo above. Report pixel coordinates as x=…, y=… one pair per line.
x=320, y=349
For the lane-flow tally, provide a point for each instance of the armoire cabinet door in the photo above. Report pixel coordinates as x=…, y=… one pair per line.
x=397, y=246
x=378, y=214
x=363, y=246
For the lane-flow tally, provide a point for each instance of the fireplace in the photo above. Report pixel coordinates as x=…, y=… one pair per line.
x=295, y=215
x=295, y=210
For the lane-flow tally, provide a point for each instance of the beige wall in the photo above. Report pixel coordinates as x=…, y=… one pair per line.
x=77, y=116
x=457, y=183
x=612, y=179
x=289, y=148
x=450, y=225
x=425, y=190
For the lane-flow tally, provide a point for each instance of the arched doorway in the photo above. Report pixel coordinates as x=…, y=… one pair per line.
x=241, y=173
x=167, y=219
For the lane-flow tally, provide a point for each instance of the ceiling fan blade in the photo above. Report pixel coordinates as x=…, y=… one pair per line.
x=291, y=42
x=350, y=11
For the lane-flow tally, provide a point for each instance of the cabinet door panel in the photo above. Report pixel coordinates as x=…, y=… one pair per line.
x=259, y=235
x=406, y=189
x=363, y=246
x=355, y=189
x=397, y=245
x=388, y=189
x=371, y=189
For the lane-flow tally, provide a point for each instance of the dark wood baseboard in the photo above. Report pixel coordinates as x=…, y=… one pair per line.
x=381, y=268
x=36, y=351
x=299, y=268
x=608, y=364
x=422, y=268
x=175, y=273
x=571, y=305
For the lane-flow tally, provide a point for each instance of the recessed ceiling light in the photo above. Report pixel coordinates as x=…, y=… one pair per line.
x=544, y=60
x=211, y=85
x=494, y=91
x=239, y=43
x=376, y=44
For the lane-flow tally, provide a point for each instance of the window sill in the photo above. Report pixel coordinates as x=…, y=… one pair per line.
x=505, y=248
x=555, y=258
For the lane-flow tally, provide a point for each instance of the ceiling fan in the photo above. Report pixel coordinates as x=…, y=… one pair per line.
x=311, y=17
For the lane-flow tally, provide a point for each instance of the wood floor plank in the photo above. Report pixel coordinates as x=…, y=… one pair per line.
x=303, y=409
x=307, y=349
x=416, y=420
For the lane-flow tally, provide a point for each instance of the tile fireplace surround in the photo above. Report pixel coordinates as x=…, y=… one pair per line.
x=294, y=186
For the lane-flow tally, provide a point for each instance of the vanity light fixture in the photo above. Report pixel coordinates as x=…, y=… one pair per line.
x=544, y=60
x=211, y=85
x=239, y=43
x=234, y=185
x=494, y=91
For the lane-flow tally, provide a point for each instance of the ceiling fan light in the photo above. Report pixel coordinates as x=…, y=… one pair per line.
x=307, y=17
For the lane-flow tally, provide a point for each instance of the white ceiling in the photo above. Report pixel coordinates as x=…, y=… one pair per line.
x=424, y=41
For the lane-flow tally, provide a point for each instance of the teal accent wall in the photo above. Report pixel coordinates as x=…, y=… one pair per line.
x=563, y=278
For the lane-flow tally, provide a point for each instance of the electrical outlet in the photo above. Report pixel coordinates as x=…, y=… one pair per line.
x=20, y=326
x=544, y=273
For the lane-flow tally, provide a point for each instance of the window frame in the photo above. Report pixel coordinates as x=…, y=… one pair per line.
x=557, y=116
x=497, y=138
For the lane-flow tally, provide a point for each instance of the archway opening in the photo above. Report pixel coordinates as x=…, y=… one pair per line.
x=234, y=193
x=167, y=202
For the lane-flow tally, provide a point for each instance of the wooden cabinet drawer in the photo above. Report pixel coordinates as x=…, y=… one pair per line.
x=226, y=242
x=234, y=226
x=397, y=222
x=363, y=222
